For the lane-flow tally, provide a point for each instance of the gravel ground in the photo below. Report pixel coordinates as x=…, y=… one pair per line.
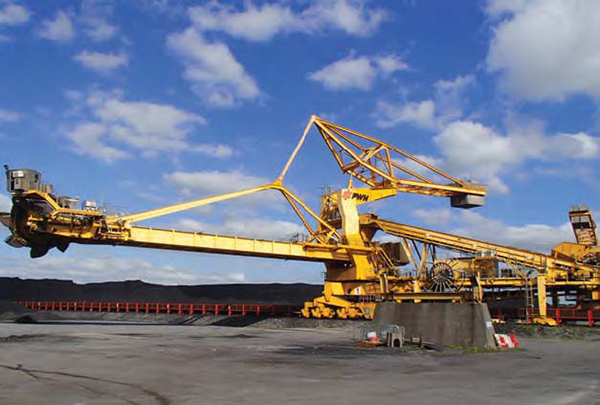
x=14, y=312
x=64, y=364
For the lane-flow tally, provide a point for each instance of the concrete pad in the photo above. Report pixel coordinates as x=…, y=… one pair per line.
x=448, y=324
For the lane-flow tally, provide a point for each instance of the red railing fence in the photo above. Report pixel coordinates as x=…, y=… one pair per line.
x=164, y=308
x=561, y=315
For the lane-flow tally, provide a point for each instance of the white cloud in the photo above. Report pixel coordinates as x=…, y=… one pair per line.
x=421, y=114
x=538, y=237
x=100, y=30
x=59, y=29
x=94, y=17
x=142, y=123
x=214, y=182
x=97, y=269
x=449, y=96
x=87, y=140
x=259, y=228
x=253, y=23
x=473, y=150
x=350, y=16
x=546, y=49
x=389, y=64
x=13, y=14
x=456, y=85
x=497, y=9
x=261, y=23
x=357, y=72
x=217, y=76
x=207, y=183
x=577, y=146
x=422, y=170
x=5, y=203
x=119, y=126
x=215, y=150
x=436, y=217
x=221, y=81
x=102, y=62
x=350, y=73
x=446, y=106
x=9, y=116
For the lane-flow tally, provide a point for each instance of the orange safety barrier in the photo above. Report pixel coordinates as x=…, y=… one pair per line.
x=592, y=316
x=165, y=308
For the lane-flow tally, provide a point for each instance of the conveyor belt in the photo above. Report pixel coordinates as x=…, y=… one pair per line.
x=527, y=258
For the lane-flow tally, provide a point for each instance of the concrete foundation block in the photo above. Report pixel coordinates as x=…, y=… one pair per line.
x=448, y=324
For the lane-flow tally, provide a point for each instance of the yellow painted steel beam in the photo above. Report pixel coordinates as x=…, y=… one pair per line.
x=135, y=236
x=339, y=135
x=171, y=209
x=200, y=242
x=431, y=188
x=446, y=240
x=296, y=149
x=289, y=194
x=334, y=132
x=536, y=260
x=433, y=296
x=575, y=283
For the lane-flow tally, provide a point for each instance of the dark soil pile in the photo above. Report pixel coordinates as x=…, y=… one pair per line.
x=561, y=332
x=10, y=311
x=16, y=289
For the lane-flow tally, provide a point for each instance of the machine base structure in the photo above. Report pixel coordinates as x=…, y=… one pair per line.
x=443, y=323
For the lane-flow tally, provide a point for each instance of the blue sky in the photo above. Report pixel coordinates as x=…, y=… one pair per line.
x=145, y=103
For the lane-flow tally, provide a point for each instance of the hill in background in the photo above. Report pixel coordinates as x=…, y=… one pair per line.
x=16, y=289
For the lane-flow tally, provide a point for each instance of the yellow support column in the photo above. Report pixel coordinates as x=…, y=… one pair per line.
x=596, y=290
x=541, y=290
x=542, y=318
x=417, y=289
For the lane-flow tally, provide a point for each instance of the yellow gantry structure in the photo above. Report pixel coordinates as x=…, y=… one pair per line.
x=554, y=271
x=359, y=271
x=515, y=256
x=377, y=164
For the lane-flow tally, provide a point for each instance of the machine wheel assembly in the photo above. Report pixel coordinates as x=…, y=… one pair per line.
x=441, y=277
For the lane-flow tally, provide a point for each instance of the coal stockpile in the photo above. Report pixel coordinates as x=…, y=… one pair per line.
x=16, y=289
x=11, y=311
